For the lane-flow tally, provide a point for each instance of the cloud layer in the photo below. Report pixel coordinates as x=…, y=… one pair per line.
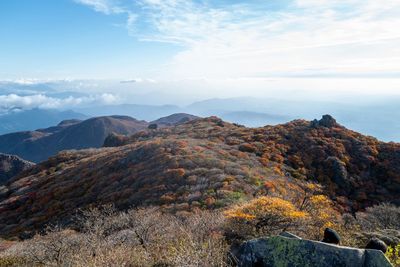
x=14, y=101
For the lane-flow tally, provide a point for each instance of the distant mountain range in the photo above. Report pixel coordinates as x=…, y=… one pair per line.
x=23, y=120
x=378, y=118
x=254, y=119
x=143, y=112
x=236, y=110
x=40, y=144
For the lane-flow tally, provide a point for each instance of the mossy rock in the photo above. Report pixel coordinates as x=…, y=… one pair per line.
x=279, y=251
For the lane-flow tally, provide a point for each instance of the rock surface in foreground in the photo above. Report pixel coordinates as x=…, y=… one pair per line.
x=284, y=251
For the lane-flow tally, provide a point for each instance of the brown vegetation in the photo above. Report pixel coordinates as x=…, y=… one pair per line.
x=139, y=237
x=149, y=237
x=320, y=168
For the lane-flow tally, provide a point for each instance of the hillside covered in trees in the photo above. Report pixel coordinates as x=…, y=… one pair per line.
x=206, y=164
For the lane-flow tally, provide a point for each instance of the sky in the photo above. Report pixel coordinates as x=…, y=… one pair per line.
x=208, y=48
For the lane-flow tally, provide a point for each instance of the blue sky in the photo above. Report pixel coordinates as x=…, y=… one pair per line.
x=60, y=39
x=224, y=44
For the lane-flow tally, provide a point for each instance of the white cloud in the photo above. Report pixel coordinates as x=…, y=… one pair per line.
x=13, y=101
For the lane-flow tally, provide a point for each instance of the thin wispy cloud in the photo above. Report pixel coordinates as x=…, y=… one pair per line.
x=107, y=7
x=304, y=37
x=112, y=7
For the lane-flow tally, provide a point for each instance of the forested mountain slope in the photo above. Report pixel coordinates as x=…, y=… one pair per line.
x=205, y=163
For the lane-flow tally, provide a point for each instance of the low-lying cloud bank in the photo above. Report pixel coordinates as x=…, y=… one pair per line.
x=14, y=101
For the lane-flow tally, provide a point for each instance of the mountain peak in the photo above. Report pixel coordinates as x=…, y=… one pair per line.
x=175, y=119
x=91, y=133
x=326, y=121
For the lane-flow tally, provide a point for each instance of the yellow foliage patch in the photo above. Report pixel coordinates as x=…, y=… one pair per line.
x=266, y=206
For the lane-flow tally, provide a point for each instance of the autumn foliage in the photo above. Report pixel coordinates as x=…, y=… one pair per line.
x=211, y=164
x=264, y=216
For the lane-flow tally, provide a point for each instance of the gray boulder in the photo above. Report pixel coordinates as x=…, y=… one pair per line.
x=284, y=251
x=326, y=121
x=331, y=236
x=390, y=236
x=378, y=244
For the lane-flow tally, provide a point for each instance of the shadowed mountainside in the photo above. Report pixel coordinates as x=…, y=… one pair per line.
x=11, y=166
x=72, y=134
x=40, y=144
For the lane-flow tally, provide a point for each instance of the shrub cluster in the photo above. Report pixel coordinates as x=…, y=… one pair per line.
x=150, y=237
x=138, y=237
